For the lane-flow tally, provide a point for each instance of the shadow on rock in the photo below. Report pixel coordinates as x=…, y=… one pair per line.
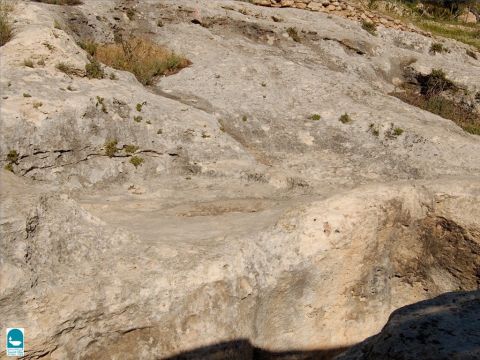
x=242, y=349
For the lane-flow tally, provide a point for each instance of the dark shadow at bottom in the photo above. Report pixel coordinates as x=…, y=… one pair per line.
x=244, y=350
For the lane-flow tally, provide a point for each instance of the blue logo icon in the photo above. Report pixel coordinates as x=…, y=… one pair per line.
x=15, y=342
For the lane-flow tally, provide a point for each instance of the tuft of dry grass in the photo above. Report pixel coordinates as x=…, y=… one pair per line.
x=345, y=119
x=66, y=68
x=293, y=33
x=142, y=57
x=438, y=48
x=6, y=27
x=370, y=27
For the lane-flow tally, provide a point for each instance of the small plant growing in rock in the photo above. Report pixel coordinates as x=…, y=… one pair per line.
x=41, y=62
x=36, y=105
x=244, y=118
x=264, y=84
x=89, y=46
x=394, y=132
x=137, y=119
x=345, y=119
x=136, y=161
x=27, y=95
x=397, y=131
x=101, y=102
x=293, y=33
x=374, y=130
x=113, y=76
x=140, y=105
x=28, y=63
x=160, y=23
x=65, y=68
x=48, y=46
x=315, y=117
x=369, y=27
x=57, y=25
x=94, y=70
x=437, y=48
x=111, y=147
x=159, y=131
x=148, y=122
x=130, y=149
x=9, y=167
x=13, y=156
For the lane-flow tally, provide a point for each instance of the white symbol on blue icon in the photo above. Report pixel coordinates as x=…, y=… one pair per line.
x=15, y=342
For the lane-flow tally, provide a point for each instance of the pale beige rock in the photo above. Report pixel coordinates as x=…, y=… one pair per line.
x=248, y=219
x=468, y=17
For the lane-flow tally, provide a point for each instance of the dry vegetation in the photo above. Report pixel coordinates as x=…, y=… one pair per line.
x=434, y=94
x=142, y=57
x=440, y=17
x=6, y=28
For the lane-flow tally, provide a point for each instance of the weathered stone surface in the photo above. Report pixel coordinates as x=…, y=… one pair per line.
x=248, y=219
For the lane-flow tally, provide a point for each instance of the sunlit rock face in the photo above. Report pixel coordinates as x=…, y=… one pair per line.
x=285, y=203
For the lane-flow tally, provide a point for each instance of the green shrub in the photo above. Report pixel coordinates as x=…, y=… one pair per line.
x=130, y=149
x=13, y=156
x=137, y=119
x=374, y=129
x=27, y=95
x=345, y=119
x=37, y=105
x=397, y=131
x=315, y=117
x=94, y=70
x=136, y=161
x=140, y=105
x=438, y=48
x=101, y=102
x=9, y=167
x=111, y=147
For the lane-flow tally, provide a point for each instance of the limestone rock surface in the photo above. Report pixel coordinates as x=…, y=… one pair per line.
x=257, y=215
